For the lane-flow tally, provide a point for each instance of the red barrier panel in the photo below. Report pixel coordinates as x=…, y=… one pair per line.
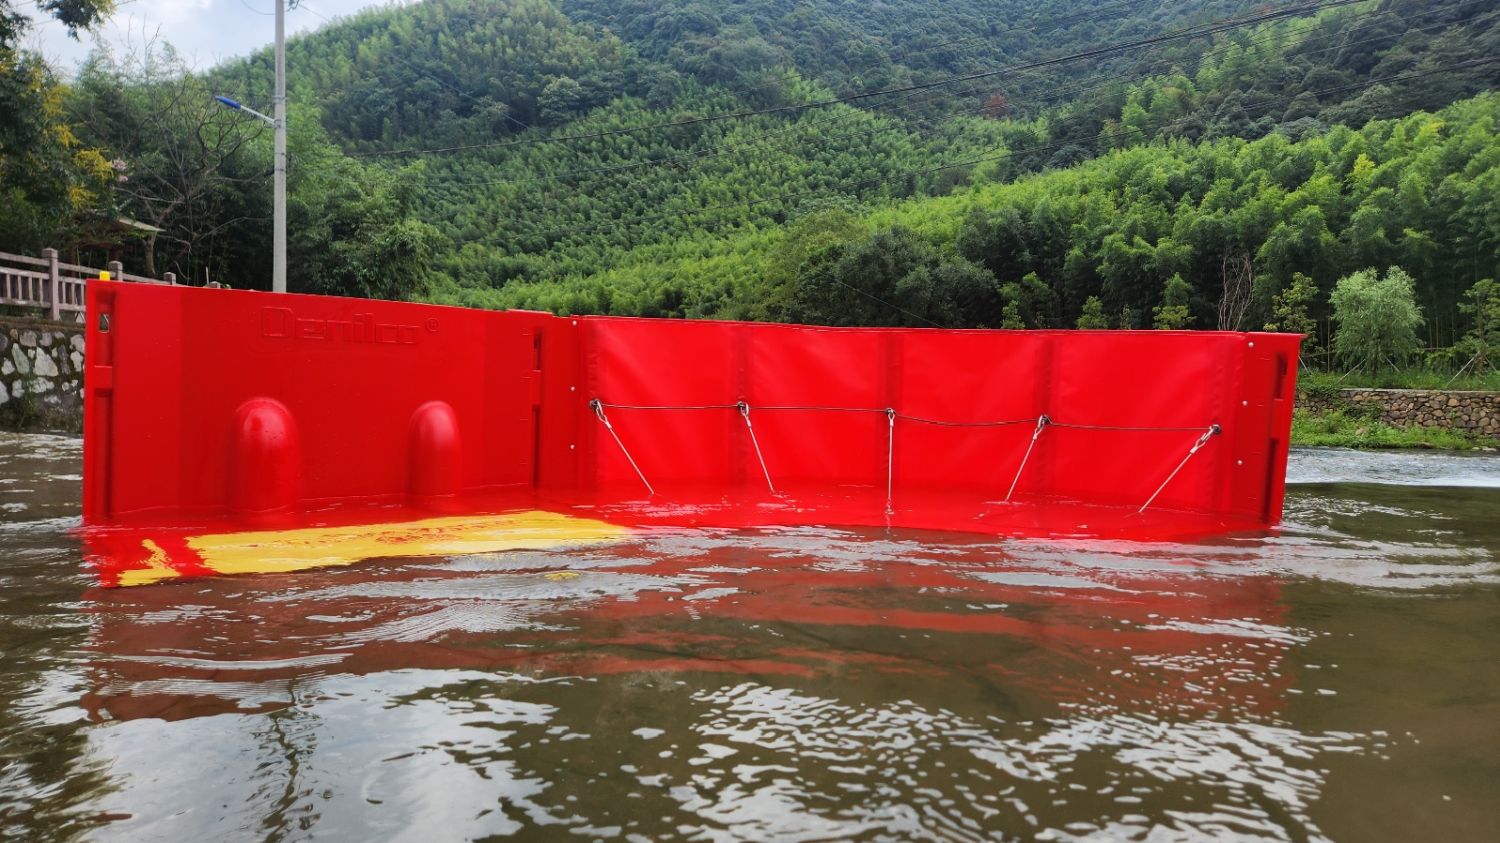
x=240, y=407
x=207, y=402
x=1122, y=409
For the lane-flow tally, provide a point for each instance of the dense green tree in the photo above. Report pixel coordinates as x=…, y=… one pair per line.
x=1291, y=308
x=50, y=182
x=349, y=229
x=201, y=174
x=1010, y=317
x=563, y=98
x=1034, y=303
x=809, y=247
x=1093, y=314
x=895, y=277
x=74, y=14
x=1174, y=312
x=1377, y=317
x=997, y=241
x=184, y=160
x=1482, y=342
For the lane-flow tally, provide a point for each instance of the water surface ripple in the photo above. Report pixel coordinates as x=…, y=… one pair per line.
x=1333, y=680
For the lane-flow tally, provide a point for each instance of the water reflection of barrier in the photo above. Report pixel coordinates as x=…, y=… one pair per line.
x=704, y=604
x=239, y=409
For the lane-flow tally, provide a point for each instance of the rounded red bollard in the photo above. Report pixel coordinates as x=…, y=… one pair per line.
x=265, y=466
x=436, y=455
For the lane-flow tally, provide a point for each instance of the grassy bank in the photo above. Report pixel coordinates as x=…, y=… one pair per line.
x=1409, y=378
x=1339, y=429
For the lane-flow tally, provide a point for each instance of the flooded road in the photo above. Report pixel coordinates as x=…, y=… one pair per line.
x=1337, y=680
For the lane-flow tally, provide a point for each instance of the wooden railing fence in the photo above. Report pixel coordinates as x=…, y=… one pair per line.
x=56, y=288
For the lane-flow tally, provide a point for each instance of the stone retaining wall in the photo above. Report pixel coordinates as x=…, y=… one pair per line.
x=1475, y=413
x=41, y=375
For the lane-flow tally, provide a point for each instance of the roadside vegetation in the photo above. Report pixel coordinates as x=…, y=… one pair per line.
x=1416, y=377
x=1341, y=429
x=1374, y=345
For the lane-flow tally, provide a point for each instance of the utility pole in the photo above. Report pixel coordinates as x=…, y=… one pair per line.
x=278, y=122
x=278, y=259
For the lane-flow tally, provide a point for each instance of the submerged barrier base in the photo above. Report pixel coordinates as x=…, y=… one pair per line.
x=238, y=431
x=142, y=555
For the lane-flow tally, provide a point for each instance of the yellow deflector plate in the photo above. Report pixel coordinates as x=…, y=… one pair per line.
x=264, y=552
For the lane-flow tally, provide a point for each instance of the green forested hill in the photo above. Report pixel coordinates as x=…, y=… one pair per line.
x=469, y=71
x=1419, y=191
x=455, y=71
x=691, y=157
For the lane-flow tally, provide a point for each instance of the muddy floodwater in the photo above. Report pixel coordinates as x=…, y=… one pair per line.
x=1339, y=679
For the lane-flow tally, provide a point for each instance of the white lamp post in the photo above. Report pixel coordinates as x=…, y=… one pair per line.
x=278, y=258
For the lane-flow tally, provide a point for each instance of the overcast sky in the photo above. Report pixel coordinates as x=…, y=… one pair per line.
x=205, y=32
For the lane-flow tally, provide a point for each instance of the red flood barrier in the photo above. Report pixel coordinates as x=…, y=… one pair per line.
x=232, y=410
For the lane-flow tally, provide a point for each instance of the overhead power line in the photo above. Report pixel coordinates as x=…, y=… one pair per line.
x=845, y=187
x=1059, y=22
x=1216, y=27
x=826, y=272
x=1053, y=25
x=445, y=83
x=799, y=129
x=1104, y=11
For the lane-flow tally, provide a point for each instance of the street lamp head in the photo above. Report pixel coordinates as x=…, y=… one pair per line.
x=238, y=106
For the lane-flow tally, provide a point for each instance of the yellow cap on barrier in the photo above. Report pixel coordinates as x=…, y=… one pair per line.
x=103, y=275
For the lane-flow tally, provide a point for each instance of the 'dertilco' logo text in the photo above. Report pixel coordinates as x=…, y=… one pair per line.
x=361, y=328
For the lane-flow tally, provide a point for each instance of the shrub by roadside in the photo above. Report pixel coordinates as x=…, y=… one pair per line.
x=1341, y=429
